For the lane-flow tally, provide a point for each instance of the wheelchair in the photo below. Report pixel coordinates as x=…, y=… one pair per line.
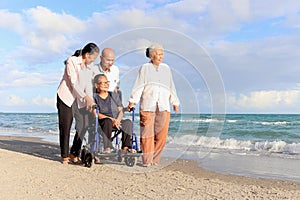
x=94, y=146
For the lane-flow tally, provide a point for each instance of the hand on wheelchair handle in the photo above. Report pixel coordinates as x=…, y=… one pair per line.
x=95, y=106
x=130, y=109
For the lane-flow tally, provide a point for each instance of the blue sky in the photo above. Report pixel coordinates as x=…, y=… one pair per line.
x=252, y=46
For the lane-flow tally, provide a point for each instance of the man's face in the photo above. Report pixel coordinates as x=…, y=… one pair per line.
x=107, y=60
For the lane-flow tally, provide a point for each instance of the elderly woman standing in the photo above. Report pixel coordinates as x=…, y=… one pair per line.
x=155, y=89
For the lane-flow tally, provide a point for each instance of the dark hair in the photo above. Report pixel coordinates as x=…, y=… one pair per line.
x=148, y=52
x=90, y=48
x=77, y=53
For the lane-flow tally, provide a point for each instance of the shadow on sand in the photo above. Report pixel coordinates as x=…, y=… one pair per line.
x=31, y=146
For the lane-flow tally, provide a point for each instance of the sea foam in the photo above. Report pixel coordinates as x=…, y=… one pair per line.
x=233, y=144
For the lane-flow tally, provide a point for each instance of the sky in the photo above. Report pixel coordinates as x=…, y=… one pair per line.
x=229, y=56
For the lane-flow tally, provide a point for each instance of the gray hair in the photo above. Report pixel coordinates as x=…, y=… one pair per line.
x=152, y=49
x=98, y=76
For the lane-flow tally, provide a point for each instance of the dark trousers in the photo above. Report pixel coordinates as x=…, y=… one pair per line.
x=82, y=118
x=65, y=120
x=107, y=128
x=126, y=133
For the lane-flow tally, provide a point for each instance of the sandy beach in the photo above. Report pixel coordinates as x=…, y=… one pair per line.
x=30, y=169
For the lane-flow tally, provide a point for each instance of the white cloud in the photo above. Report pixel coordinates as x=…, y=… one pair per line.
x=188, y=7
x=228, y=12
x=267, y=66
x=14, y=100
x=261, y=64
x=133, y=18
x=265, y=101
x=42, y=101
x=43, y=29
x=119, y=5
x=16, y=78
x=272, y=9
x=11, y=21
x=50, y=30
x=292, y=20
x=49, y=22
x=45, y=34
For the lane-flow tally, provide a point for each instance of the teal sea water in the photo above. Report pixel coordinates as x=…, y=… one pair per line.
x=259, y=136
x=247, y=133
x=260, y=133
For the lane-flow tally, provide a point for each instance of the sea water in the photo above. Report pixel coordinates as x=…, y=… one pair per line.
x=261, y=145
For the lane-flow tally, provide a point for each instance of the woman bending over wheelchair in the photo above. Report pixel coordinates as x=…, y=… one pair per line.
x=111, y=114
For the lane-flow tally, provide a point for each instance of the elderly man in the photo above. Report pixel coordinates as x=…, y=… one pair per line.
x=107, y=67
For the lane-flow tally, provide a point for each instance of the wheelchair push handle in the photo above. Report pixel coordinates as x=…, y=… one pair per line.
x=133, y=113
x=95, y=107
x=132, y=109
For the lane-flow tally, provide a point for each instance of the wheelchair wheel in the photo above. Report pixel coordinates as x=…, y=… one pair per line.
x=130, y=161
x=83, y=154
x=88, y=160
x=119, y=158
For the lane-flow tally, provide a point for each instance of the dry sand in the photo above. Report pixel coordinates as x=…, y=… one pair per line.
x=30, y=169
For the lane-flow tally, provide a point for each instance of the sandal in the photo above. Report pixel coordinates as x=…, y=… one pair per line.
x=147, y=165
x=127, y=150
x=74, y=159
x=107, y=150
x=65, y=161
x=132, y=150
x=96, y=160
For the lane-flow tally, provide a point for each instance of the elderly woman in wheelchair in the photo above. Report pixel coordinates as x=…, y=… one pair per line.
x=110, y=115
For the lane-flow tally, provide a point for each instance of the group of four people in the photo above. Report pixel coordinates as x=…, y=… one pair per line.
x=154, y=89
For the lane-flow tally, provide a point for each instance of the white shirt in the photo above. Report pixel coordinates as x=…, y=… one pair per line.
x=154, y=87
x=112, y=75
x=76, y=82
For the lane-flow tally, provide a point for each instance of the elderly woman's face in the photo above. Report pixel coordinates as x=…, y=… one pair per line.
x=158, y=57
x=102, y=84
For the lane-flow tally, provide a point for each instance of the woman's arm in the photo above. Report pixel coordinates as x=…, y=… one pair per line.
x=116, y=122
x=121, y=113
x=81, y=90
x=137, y=88
x=173, y=95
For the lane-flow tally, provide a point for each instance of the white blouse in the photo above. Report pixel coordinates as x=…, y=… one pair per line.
x=154, y=87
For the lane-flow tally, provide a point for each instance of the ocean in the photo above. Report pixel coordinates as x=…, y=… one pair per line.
x=257, y=145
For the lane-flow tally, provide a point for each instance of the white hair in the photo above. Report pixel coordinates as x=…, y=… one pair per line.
x=152, y=49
